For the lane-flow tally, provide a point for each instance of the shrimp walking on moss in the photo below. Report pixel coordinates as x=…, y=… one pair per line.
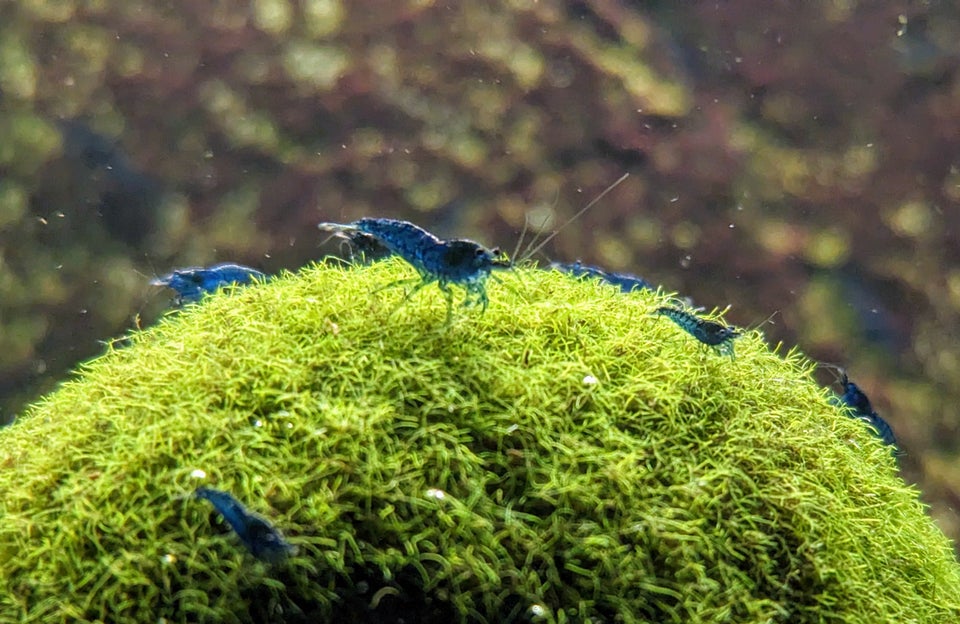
x=624, y=281
x=259, y=536
x=463, y=262
x=855, y=401
x=718, y=336
x=192, y=283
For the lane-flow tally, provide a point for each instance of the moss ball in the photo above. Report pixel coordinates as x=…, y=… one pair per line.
x=565, y=456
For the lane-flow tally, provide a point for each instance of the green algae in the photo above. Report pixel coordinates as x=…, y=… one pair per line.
x=564, y=457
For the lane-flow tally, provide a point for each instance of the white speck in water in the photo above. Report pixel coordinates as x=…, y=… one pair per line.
x=538, y=610
x=732, y=226
x=258, y=423
x=590, y=380
x=289, y=425
x=685, y=262
x=674, y=200
x=169, y=558
x=198, y=474
x=435, y=493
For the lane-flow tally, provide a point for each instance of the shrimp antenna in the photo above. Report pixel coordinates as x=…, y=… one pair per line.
x=145, y=276
x=769, y=319
x=328, y=239
x=145, y=295
x=576, y=216
x=146, y=256
x=523, y=233
x=839, y=372
x=337, y=230
x=526, y=222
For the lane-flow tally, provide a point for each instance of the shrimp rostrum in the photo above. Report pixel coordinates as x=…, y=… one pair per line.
x=463, y=262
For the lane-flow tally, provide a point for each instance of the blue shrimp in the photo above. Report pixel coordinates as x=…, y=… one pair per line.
x=194, y=282
x=855, y=401
x=624, y=281
x=457, y=261
x=262, y=540
x=715, y=335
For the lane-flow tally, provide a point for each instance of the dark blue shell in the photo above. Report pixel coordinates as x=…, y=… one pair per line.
x=624, y=281
x=882, y=429
x=855, y=398
x=463, y=262
x=410, y=242
x=710, y=333
x=259, y=536
x=194, y=282
x=457, y=261
x=460, y=261
x=858, y=405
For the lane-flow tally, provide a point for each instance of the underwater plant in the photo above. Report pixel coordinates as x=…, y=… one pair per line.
x=563, y=457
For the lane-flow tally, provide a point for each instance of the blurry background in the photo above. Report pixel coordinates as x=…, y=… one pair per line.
x=793, y=156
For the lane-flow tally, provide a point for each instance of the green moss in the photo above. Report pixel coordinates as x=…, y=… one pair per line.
x=565, y=456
